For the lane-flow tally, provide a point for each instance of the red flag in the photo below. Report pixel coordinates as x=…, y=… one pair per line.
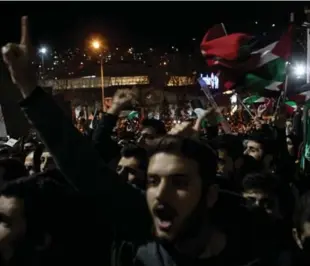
x=283, y=47
x=226, y=47
x=217, y=31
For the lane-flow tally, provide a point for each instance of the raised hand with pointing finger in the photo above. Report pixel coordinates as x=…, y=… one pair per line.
x=17, y=57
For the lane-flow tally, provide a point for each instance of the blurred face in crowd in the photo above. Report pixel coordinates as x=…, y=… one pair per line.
x=47, y=162
x=302, y=238
x=173, y=192
x=147, y=134
x=290, y=146
x=100, y=115
x=12, y=225
x=258, y=198
x=28, y=146
x=129, y=167
x=289, y=127
x=254, y=149
x=257, y=125
x=225, y=163
x=29, y=163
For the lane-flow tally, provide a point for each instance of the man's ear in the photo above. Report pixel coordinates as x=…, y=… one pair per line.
x=296, y=238
x=212, y=195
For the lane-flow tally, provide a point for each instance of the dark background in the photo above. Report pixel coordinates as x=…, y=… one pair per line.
x=66, y=24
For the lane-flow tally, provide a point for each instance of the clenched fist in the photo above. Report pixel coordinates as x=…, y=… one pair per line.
x=121, y=100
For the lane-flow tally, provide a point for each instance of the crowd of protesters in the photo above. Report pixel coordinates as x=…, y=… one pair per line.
x=183, y=196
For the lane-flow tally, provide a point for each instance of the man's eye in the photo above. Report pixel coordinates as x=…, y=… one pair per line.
x=180, y=182
x=152, y=180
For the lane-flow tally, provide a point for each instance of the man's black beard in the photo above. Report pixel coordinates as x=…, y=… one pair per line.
x=196, y=229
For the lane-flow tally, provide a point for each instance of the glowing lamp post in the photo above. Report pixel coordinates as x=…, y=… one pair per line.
x=96, y=45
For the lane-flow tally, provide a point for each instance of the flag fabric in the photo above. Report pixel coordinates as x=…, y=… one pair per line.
x=270, y=72
x=133, y=115
x=291, y=107
x=298, y=90
x=228, y=47
x=254, y=99
x=215, y=32
x=300, y=98
x=305, y=154
x=264, y=69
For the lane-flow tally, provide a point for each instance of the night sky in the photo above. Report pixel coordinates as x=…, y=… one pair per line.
x=145, y=24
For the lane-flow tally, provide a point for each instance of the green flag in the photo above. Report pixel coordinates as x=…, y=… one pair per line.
x=133, y=115
x=305, y=155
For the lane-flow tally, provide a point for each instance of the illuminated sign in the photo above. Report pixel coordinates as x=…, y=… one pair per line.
x=211, y=80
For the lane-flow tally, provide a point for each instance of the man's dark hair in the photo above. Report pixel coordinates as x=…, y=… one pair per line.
x=302, y=212
x=132, y=150
x=264, y=139
x=190, y=148
x=158, y=125
x=13, y=169
x=272, y=185
x=42, y=199
x=258, y=181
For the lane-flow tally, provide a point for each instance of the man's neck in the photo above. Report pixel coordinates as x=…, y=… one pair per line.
x=209, y=243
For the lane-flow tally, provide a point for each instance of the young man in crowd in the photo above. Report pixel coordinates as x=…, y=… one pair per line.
x=133, y=164
x=180, y=191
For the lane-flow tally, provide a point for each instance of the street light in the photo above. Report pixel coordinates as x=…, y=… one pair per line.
x=97, y=45
x=42, y=52
x=299, y=70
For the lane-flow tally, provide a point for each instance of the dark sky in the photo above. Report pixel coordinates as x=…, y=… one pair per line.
x=69, y=24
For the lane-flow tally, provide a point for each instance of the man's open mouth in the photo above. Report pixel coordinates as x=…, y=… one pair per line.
x=165, y=216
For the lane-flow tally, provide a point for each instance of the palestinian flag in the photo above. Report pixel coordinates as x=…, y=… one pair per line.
x=300, y=98
x=132, y=115
x=228, y=47
x=262, y=70
x=254, y=99
x=270, y=73
x=291, y=107
x=299, y=94
x=219, y=47
x=305, y=154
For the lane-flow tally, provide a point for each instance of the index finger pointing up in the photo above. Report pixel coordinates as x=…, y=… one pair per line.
x=25, y=40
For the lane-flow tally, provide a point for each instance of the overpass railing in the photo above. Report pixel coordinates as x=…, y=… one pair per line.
x=95, y=82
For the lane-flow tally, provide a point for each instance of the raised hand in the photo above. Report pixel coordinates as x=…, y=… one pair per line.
x=185, y=129
x=279, y=119
x=17, y=57
x=122, y=99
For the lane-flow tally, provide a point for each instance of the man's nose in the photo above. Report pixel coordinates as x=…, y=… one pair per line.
x=162, y=190
x=245, y=152
x=43, y=165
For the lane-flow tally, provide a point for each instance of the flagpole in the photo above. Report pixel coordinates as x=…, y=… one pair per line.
x=307, y=25
x=244, y=106
x=292, y=19
x=211, y=100
x=282, y=97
